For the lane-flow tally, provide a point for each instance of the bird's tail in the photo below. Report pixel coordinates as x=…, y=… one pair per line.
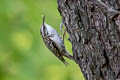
x=66, y=64
x=69, y=56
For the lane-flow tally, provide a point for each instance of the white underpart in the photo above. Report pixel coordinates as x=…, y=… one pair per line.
x=56, y=38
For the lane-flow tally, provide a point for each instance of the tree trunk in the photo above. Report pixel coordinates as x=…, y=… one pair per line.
x=94, y=31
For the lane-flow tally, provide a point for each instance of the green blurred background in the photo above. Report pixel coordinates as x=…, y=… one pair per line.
x=23, y=55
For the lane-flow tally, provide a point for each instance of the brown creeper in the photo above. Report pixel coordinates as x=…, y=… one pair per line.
x=54, y=42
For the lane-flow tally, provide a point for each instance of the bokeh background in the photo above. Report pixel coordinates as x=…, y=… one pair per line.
x=23, y=55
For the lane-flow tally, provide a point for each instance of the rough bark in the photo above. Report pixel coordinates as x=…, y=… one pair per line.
x=94, y=30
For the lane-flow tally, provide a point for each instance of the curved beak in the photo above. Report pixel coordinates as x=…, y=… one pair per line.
x=44, y=27
x=43, y=20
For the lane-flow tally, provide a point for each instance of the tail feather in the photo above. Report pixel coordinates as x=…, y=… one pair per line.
x=66, y=64
x=69, y=56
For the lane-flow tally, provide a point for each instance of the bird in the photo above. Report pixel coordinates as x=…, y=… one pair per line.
x=54, y=42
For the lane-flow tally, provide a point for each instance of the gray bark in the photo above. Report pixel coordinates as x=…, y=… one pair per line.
x=94, y=30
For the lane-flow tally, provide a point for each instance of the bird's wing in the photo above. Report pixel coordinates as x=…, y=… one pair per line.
x=57, y=52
